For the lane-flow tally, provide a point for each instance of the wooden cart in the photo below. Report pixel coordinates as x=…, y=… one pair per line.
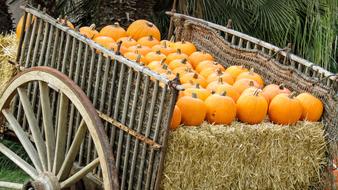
x=91, y=119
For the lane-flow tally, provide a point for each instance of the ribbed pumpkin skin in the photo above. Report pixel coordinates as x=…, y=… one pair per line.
x=230, y=91
x=243, y=84
x=186, y=47
x=176, y=118
x=127, y=41
x=251, y=75
x=114, y=31
x=251, y=109
x=220, y=109
x=198, y=56
x=235, y=70
x=154, y=56
x=141, y=28
x=193, y=110
x=88, y=31
x=272, y=90
x=105, y=41
x=143, y=50
x=195, y=78
x=177, y=55
x=285, y=110
x=312, y=107
x=200, y=92
x=149, y=41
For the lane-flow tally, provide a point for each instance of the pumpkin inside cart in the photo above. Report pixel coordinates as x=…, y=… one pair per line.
x=125, y=109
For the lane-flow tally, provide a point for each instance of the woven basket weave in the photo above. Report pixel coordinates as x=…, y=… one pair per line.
x=274, y=65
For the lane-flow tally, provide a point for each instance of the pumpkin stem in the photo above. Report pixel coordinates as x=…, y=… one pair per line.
x=252, y=71
x=282, y=86
x=184, y=61
x=165, y=67
x=172, y=39
x=138, y=59
x=220, y=80
x=257, y=91
x=116, y=24
x=194, y=95
x=251, y=83
x=183, y=41
x=195, y=76
x=219, y=72
x=139, y=46
x=129, y=38
x=198, y=85
x=163, y=61
x=158, y=52
x=151, y=38
x=165, y=44
x=191, y=82
x=149, y=24
x=293, y=94
x=178, y=51
x=224, y=93
x=92, y=26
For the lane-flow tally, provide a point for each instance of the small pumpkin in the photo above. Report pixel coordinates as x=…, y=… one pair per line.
x=272, y=90
x=163, y=48
x=105, y=41
x=199, y=56
x=20, y=24
x=154, y=56
x=114, y=31
x=162, y=70
x=251, y=75
x=235, y=70
x=243, y=84
x=156, y=64
x=221, y=109
x=88, y=31
x=123, y=49
x=208, y=71
x=285, y=109
x=312, y=107
x=141, y=28
x=177, y=55
x=127, y=41
x=226, y=77
x=229, y=90
x=186, y=47
x=252, y=90
x=149, y=41
x=251, y=108
x=203, y=65
x=143, y=50
x=179, y=63
x=195, y=78
x=176, y=118
x=182, y=70
x=190, y=84
x=201, y=93
x=66, y=22
x=193, y=110
x=135, y=57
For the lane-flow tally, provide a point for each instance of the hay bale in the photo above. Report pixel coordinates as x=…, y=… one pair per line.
x=8, y=49
x=241, y=156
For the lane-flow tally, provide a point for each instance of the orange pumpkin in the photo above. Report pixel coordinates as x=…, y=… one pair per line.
x=195, y=78
x=170, y=75
x=200, y=92
x=193, y=110
x=68, y=23
x=221, y=109
x=226, y=77
x=135, y=57
x=243, y=84
x=190, y=84
x=88, y=31
x=176, y=118
x=272, y=90
x=20, y=25
x=251, y=75
x=149, y=41
x=252, y=90
x=182, y=70
x=251, y=108
x=203, y=65
x=186, y=47
x=143, y=50
x=235, y=70
x=285, y=109
x=114, y=31
x=123, y=49
x=141, y=28
x=163, y=48
x=213, y=85
x=312, y=107
x=154, y=56
x=127, y=41
x=156, y=64
x=229, y=90
x=162, y=69
x=105, y=41
x=207, y=72
x=199, y=56
x=179, y=63
x=177, y=55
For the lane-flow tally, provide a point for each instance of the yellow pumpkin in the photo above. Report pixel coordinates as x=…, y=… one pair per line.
x=226, y=77
x=156, y=64
x=127, y=41
x=203, y=65
x=196, y=78
x=163, y=48
x=177, y=55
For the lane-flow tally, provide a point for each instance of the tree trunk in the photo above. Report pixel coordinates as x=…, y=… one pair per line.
x=6, y=24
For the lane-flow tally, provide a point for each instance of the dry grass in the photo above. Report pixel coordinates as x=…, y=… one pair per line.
x=8, y=49
x=241, y=156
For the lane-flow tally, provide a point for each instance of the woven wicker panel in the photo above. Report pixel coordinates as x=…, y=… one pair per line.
x=228, y=50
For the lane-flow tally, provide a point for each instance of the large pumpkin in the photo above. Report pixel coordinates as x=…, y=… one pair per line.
x=149, y=41
x=221, y=109
x=272, y=90
x=141, y=28
x=312, y=107
x=114, y=31
x=88, y=31
x=193, y=110
x=199, y=56
x=176, y=118
x=251, y=108
x=285, y=109
x=251, y=75
x=186, y=47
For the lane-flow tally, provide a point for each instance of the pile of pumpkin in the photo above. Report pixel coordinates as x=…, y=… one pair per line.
x=212, y=92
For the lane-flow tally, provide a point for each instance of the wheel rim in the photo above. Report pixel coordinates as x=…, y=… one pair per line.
x=51, y=161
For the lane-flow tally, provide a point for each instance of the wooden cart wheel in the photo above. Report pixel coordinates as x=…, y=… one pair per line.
x=50, y=165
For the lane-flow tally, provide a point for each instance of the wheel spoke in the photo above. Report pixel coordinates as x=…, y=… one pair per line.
x=22, y=136
x=34, y=127
x=19, y=161
x=61, y=133
x=47, y=123
x=73, y=151
x=10, y=185
x=80, y=174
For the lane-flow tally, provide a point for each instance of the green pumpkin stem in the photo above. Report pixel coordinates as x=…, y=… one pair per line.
x=198, y=85
x=224, y=93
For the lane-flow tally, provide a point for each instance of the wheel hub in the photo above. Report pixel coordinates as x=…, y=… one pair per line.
x=46, y=181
